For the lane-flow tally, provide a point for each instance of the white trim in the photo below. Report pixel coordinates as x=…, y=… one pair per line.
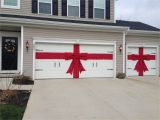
x=145, y=45
x=51, y=7
x=33, y=75
x=124, y=52
x=143, y=33
x=115, y=60
x=10, y=6
x=76, y=6
x=22, y=47
x=158, y=61
x=73, y=41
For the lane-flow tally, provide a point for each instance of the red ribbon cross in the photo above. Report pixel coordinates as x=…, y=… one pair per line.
x=141, y=66
x=76, y=66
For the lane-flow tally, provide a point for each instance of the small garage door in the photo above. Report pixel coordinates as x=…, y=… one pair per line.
x=141, y=61
x=73, y=60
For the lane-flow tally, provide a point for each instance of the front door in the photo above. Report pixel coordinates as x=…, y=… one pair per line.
x=9, y=53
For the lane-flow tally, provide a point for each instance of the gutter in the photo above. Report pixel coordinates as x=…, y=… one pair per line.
x=61, y=25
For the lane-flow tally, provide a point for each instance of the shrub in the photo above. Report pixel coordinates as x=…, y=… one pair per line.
x=23, y=80
x=121, y=75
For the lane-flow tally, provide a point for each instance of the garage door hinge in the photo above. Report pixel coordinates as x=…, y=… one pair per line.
x=153, y=68
x=129, y=68
x=39, y=50
x=153, y=53
x=38, y=69
x=110, y=52
x=109, y=69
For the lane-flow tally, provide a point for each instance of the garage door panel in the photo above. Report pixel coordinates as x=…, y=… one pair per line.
x=54, y=47
x=97, y=49
x=151, y=64
x=57, y=68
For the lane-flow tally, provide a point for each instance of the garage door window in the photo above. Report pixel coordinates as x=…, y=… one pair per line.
x=73, y=7
x=45, y=6
x=15, y=4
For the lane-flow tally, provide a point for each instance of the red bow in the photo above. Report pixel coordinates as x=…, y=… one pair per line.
x=76, y=66
x=140, y=65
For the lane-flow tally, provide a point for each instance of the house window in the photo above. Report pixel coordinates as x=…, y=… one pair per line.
x=45, y=6
x=99, y=9
x=15, y=4
x=73, y=7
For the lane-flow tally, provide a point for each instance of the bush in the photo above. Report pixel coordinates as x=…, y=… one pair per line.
x=23, y=80
x=121, y=75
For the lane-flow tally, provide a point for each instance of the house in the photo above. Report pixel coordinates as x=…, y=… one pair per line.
x=74, y=39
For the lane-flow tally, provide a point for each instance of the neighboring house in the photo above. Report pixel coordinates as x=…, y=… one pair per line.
x=57, y=38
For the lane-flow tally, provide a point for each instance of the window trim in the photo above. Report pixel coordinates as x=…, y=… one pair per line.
x=104, y=11
x=10, y=6
x=79, y=10
x=51, y=7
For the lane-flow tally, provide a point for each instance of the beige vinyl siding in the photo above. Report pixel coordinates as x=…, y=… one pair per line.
x=144, y=40
x=30, y=32
x=26, y=5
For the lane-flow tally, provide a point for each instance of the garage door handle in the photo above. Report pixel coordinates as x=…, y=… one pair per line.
x=38, y=69
x=110, y=52
x=39, y=50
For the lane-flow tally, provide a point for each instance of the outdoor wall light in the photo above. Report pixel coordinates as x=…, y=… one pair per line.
x=27, y=46
x=120, y=48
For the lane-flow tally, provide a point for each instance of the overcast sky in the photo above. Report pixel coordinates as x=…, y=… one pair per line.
x=147, y=11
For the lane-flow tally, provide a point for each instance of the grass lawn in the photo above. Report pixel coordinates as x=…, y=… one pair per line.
x=11, y=112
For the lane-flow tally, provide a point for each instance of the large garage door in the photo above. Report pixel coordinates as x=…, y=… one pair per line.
x=73, y=60
x=141, y=61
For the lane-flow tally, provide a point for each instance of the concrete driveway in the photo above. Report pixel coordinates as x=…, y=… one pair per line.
x=95, y=99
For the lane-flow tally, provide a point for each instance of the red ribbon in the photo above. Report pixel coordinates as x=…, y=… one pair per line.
x=141, y=66
x=76, y=66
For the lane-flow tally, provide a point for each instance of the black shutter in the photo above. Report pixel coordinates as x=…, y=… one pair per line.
x=55, y=7
x=34, y=6
x=82, y=8
x=107, y=9
x=64, y=7
x=90, y=8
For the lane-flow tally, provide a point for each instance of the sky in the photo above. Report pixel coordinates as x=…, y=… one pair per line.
x=146, y=11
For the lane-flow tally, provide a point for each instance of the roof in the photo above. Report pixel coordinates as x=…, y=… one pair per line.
x=136, y=25
x=121, y=23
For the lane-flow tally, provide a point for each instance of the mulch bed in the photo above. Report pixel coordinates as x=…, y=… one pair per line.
x=13, y=104
x=16, y=97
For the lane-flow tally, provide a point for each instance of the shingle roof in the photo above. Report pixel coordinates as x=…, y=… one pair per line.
x=136, y=25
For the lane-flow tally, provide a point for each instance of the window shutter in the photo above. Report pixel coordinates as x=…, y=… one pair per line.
x=55, y=7
x=34, y=6
x=64, y=7
x=82, y=8
x=90, y=8
x=107, y=9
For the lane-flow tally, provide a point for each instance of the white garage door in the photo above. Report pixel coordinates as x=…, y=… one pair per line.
x=141, y=61
x=73, y=61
